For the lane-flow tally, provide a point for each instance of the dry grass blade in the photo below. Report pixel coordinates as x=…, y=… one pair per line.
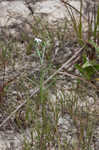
x=66, y=3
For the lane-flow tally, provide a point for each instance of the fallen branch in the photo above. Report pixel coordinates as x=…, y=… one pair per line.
x=77, y=77
x=66, y=65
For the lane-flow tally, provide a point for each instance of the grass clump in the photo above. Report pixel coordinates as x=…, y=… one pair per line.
x=44, y=113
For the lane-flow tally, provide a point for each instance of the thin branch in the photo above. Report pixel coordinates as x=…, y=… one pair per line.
x=65, y=65
x=77, y=77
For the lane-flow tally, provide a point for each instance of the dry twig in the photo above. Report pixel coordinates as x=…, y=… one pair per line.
x=66, y=65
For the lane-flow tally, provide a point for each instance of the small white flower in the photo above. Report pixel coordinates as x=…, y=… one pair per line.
x=38, y=40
